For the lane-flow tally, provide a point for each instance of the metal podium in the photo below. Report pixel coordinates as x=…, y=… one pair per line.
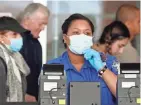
x=53, y=85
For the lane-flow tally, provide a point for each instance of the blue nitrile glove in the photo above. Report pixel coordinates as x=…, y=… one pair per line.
x=94, y=58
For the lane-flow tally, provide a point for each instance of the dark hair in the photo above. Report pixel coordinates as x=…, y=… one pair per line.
x=73, y=17
x=114, y=31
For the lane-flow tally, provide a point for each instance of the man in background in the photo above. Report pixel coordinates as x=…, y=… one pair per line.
x=130, y=16
x=34, y=18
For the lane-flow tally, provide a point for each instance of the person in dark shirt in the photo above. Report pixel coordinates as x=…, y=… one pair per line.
x=34, y=18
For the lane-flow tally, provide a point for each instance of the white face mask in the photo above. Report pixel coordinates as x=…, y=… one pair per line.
x=79, y=43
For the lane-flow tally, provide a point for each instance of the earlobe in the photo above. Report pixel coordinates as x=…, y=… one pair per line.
x=2, y=38
x=1, y=41
x=64, y=38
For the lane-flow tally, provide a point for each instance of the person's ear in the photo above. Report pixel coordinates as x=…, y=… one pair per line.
x=66, y=39
x=95, y=46
x=128, y=24
x=1, y=39
x=26, y=21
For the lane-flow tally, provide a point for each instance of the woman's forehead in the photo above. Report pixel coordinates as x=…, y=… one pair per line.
x=79, y=21
x=123, y=41
x=80, y=24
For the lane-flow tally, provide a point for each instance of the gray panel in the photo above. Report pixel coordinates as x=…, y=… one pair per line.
x=58, y=93
x=126, y=101
x=45, y=97
x=125, y=95
x=122, y=92
x=85, y=93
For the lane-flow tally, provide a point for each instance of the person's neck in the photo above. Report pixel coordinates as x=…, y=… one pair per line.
x=75, y=58
x=100, y=47
x=132, y=36
x=27, y=28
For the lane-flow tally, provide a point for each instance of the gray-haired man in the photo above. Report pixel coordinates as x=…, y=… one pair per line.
x=34, y=18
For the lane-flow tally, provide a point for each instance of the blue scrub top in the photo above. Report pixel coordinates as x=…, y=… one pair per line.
x=87, y=74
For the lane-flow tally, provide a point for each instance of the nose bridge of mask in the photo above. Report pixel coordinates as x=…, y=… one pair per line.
x=80, y=39
x=17, y=40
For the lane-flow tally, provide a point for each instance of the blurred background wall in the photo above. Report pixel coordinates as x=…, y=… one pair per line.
x=100, y=12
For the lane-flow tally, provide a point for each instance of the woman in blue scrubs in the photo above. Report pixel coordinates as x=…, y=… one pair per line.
x=77, y=35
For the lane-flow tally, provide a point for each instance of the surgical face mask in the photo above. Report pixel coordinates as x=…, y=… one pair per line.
x=80, y=43
x=15, y=44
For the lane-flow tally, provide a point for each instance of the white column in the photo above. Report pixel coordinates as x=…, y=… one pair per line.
x=55, y=37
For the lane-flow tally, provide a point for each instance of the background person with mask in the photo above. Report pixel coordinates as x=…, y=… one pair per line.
x=34, y=18
x=130, y=16
x=77, y=35
x=16, y=68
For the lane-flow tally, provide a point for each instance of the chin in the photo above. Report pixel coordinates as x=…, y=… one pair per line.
x=115, y=54
x=36, y=36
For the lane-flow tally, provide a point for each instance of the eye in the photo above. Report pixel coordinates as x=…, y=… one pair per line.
x=88, y=33
x=76, y=33
x=41, y=24
x=14, y=33
x=120, y=46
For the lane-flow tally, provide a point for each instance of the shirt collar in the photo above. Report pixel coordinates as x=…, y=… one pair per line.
x=69, y=66
x=66, y=61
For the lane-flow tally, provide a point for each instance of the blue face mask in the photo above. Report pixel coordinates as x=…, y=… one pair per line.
x=16, y=44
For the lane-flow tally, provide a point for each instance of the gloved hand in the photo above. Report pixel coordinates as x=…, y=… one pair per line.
x=94, y=58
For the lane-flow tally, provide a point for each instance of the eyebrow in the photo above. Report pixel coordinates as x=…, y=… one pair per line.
x=79, y=29
x=88, y=29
